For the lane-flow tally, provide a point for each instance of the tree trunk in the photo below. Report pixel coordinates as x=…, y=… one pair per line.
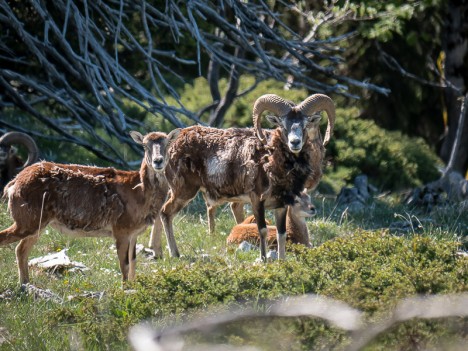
x=217, y=117
x=455, y=45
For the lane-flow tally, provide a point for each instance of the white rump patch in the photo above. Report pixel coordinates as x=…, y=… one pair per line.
x=11, y=190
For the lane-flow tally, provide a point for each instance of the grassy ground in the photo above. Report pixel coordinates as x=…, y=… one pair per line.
x=164, y=293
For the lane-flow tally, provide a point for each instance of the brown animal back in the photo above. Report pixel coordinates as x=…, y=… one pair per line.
x=215, y=159
x=249, y=232
x=62, y=192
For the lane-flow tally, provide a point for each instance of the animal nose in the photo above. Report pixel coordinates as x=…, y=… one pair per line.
x=295, y=142
x=157, y=161
x=312, y=210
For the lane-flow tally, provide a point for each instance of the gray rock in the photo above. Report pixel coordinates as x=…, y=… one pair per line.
x=245, y=246
x=272, y=255
x=355, y=198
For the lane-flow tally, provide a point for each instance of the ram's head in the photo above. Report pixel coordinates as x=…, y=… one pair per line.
x=8, y=150
x=294, y=120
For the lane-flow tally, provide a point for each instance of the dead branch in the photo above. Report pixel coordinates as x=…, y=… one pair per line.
x=90, y=59
x=335, y=312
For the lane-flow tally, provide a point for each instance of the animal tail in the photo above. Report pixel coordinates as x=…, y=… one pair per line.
x=6, y=190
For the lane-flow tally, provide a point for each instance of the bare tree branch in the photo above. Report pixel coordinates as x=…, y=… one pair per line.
x=92, y=60
x=393, y=63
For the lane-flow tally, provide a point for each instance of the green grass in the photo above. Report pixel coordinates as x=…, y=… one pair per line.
x=355, y=258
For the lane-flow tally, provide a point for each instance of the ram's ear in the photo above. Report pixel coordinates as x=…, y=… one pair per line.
x=173, y=135
x=314, y=120
x=137, y=137
x=275, y=120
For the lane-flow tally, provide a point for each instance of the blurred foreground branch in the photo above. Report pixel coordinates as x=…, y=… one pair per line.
x=336, y=313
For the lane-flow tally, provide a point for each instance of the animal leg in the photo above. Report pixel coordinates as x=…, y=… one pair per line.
x=210, y=213
x=237, y=209
x=23, y=250
x=155, y=238
x=15, y=233
x=132, y=258
x=258, y=208
x=123, y=247
x=169, y=211
x=280, y=219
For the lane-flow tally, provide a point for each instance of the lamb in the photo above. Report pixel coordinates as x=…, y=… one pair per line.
x=245, y=165
x=10, y=162
x=296, y=227
x=87, y=201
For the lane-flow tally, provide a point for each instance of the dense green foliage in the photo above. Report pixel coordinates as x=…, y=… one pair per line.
x=390, y=159
x=367, y=270
x=396, y=36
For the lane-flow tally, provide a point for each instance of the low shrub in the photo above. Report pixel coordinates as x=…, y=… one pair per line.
x=369, y=271
x=390, y=159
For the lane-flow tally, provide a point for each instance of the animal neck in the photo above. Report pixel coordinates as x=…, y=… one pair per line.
x=286, y=170
x=149, y=178
x=296, y=227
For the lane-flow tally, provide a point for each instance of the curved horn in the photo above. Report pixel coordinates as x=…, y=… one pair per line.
x=272, y=103
x=23, y=139
x=316, y=103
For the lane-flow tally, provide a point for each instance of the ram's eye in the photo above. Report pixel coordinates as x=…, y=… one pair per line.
x=314, y=119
